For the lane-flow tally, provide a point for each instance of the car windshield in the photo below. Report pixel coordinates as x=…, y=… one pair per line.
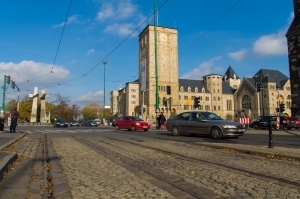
x=210, y=116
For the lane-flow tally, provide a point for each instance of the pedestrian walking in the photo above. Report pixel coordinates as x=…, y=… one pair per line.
x=1, y=120
x=14, y=115
x=162, y=120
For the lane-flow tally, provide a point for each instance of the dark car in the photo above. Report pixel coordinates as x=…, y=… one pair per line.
x=90, y=123
x=132, y=123
x=263, y=122
x=204, y=123
x=59, y=122
x=74, y=123
x=293, y=122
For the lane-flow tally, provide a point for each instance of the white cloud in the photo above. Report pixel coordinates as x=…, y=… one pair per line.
x=273, y=44
x=120, y=29
x=203, y=69
x=89, y=97
x=71, y=19
x=106, y=12
x=27, y=71
x=125, y=9
x=238, y=55
x=90, y=52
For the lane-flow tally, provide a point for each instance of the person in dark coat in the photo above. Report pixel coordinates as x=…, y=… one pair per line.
x=14, y=115
x=1, y=120
x=162, y=120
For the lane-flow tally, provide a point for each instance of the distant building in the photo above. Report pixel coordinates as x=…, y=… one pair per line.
x=227, y=95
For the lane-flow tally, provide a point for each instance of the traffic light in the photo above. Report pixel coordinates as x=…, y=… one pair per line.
x=8, y=79
x=282, y=107
x=168, y=90
x=165, y=102
x=196, y=102
x=258, y=86
x=13, y=85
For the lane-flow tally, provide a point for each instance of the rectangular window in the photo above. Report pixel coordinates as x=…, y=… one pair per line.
x=229, y=105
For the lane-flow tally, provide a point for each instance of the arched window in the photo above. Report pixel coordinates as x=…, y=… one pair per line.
x=196, y=90
x=189, y=89
x=246, y=102
x=203, y=90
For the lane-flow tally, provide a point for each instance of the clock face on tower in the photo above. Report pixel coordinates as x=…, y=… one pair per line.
x=163, y=37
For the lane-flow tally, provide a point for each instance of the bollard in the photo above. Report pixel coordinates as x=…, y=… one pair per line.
x=270, y=133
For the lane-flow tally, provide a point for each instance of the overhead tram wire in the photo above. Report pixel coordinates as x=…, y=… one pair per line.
x=114, y=49
x=61, y=36
x=211, y=27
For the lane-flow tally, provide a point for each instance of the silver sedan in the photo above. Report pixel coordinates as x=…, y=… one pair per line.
x=204, y=123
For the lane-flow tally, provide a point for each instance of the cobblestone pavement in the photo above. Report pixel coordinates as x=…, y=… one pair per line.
x=90, y=174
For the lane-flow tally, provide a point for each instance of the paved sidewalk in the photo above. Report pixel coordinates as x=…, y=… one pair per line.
x=6, y=158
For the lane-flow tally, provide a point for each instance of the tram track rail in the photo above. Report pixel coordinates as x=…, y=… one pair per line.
x=273, y=179
x=173, y=184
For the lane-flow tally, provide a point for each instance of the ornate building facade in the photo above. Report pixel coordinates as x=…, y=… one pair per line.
x=227, y=95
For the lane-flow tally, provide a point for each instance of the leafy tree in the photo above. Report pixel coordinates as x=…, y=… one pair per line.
x=91, y=111
x=62, y=108
x=25, y=107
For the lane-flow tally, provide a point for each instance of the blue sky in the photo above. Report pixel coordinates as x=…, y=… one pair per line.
x=38, y=49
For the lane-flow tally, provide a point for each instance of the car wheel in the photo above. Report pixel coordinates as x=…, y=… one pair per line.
x=175, y=131
x=216, y=133
x=132, y=128
x=255, y=126
x=145, y=129
x=296, y=127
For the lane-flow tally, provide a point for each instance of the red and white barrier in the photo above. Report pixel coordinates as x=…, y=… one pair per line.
x=244, y=120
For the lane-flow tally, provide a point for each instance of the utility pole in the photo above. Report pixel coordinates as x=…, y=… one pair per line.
x=156, y=59
x=4, y=91
x=262, y=95
x=104, y=64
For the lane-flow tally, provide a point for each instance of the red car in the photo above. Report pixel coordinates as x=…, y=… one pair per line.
x=132, y=123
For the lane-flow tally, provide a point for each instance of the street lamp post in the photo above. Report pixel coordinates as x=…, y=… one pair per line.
x=156, y=58
x=18, y=106
x=104, y=64
x=262, y=95
x=4, y=90
x=143, y=103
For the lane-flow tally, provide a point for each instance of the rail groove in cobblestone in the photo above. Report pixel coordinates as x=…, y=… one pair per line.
x=175, y=185
x=273, y=179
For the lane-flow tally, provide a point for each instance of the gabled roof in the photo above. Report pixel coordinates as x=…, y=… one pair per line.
x=229, y=74
x=268, y=75
x=185, y=83
x=227, y=89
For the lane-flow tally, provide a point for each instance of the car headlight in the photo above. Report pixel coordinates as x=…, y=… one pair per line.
x=137, y=123
x=229, y=127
